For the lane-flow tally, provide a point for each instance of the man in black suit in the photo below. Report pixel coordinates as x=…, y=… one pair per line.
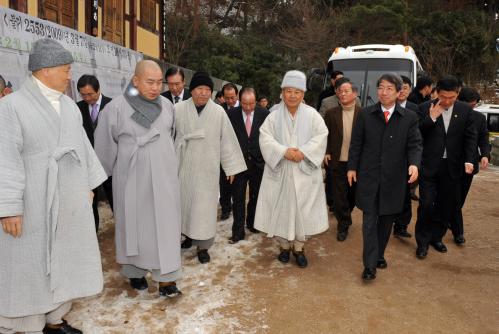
x=175, y=81
x=90, y=106
x=246, y=121
x=404, y=219
x=421, y=93
x=449, y=147
x=481, y=158
x=230, y=95
x=385, y=149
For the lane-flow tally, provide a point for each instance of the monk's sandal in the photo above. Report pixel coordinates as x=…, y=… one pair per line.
x=284, y=255
x=301, y=259
x=169, y=289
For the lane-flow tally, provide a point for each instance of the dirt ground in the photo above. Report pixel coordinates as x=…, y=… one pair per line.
x=244, y=289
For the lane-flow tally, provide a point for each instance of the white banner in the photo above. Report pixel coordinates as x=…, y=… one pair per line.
x=112, y=64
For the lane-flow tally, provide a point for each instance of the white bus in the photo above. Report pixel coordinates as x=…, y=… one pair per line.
x=364, y=64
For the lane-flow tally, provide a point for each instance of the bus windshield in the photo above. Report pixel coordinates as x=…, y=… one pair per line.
x=364, y=73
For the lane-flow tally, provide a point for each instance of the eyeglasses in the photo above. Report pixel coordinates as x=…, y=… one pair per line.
x=87, y=94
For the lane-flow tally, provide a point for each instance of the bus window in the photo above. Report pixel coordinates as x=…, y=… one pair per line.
x=364, y=73
x=493, y=122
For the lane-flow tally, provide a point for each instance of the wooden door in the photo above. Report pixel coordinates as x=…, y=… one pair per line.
x=113, y=24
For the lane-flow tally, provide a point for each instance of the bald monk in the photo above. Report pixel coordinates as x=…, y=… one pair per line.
x=134, y=142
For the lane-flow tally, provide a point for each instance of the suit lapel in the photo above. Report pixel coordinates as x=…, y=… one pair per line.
x=254, y=125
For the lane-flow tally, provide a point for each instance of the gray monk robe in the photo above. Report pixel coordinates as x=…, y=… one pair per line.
x=47, y=169
x=146, y=191
x=292, y=203
x=204, y=142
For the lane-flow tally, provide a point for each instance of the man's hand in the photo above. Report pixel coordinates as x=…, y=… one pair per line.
x=327, y=157
x=299, y=156
x=91, y=196
x=413, y=173
x=468, y=167
x=484, y=162
x=352, y=177
x=230, y=179
x=436, y=110
x=290, y=153
x=12, y=225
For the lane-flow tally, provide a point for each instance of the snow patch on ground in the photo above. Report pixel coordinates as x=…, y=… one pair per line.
x=209, y=292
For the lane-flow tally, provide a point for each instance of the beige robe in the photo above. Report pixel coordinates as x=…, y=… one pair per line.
x=203, y=143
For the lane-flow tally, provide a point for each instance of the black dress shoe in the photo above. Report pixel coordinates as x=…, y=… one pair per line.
x=459, y=240
x=369, y=274
x=401, y=233
x=139, y=283
x=439, y=246
x=381, y=264
x=342, y=235
x=284, y=255
x=203, y=256
x=63, y=328
x=422, y=252
x=235, y=239
x=169, y=289
x=225, y=215
x=253, y=230
x=301, y=259
x=187, y=243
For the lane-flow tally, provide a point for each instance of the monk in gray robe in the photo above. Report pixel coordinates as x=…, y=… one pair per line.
x=205, y=140
x=134, y=142
x=49, y=253
x=291, y=203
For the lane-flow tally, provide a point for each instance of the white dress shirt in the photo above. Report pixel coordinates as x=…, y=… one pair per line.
x=50, y=94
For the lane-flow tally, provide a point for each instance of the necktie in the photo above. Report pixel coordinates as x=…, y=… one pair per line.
x=387, y=113
x=176, y=98
x=95, y=112
x=248, y=124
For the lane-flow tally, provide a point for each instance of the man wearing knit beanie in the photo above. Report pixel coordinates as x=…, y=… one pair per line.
x=50, y=254
x=205, y=140
x=291, y=203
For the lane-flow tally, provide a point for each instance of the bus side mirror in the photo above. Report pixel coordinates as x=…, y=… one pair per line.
x=315, y=79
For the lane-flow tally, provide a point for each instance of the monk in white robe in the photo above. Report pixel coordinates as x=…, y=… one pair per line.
x=205, y=140
x=291, y=203
x=49, y=253
x=134, y=142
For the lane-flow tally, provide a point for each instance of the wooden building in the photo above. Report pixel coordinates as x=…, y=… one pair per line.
x=134, y=24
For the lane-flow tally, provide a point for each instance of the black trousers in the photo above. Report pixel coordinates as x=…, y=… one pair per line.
x=343, y=195
x=456, y=225
x=107, y=188
x=328, y=186
x=251, y=178
x=225, y=192
x=376, y=232
x=439, y=202
x=404, y=219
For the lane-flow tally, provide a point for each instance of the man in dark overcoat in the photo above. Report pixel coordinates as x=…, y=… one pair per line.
x=385, y=148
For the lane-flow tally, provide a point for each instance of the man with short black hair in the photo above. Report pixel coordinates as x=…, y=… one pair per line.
x=421, y=93
x=404, y=219
x=481, y=159
x=385, y=149
x=231, y=98
x=175, y=80
x=91, y=105
x=246, y=121
x=449, y=148
x=330, y=91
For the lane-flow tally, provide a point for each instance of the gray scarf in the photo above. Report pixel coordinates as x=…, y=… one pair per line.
x=146, y=111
